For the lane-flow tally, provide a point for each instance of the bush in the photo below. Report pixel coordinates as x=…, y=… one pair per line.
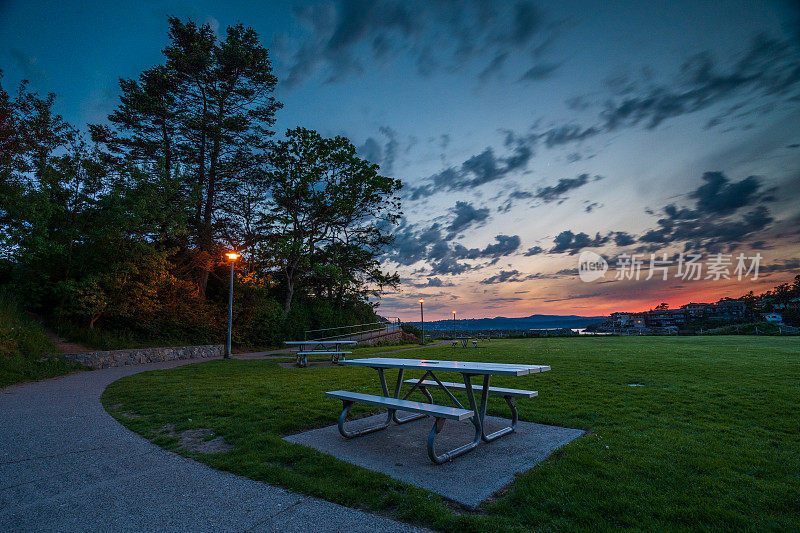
x=753, y=328
x=411, y=329
x=25, y=348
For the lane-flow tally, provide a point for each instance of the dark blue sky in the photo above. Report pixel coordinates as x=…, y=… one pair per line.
x=525, y=132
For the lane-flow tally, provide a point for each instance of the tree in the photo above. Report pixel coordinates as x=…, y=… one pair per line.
x=203, y=117
x=328, y=214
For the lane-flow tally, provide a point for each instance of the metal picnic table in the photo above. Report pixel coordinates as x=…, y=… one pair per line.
x=464, y=341
x=319, y=348
x=475, y=412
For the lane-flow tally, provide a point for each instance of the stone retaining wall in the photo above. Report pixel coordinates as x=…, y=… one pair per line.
x=140, y=356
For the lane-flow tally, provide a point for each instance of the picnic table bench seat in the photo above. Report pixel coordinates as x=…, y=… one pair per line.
x=301, y=357
x=495, y=391
x=509, y=395
x=439, y=412
x=320, y=352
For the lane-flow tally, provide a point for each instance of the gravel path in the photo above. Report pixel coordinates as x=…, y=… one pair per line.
x=66, y=465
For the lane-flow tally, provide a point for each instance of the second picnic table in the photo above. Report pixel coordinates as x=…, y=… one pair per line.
x=475, y=412
x=320, y=347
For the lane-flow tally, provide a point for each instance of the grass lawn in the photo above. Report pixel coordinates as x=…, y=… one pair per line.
x=710, y=441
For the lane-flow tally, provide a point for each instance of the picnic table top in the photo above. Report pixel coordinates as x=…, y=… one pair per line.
x=320, y=342
x=467, y=367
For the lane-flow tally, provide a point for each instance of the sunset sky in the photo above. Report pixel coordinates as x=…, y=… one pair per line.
x=524, y=132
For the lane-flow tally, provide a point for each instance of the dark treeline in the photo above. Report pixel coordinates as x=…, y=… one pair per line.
x=124, y=228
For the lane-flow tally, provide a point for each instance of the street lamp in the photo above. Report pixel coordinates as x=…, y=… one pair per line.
x=454, y=325
x=422, y=320
x=232, y=257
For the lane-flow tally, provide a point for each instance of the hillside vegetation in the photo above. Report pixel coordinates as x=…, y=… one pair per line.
x=25, y=348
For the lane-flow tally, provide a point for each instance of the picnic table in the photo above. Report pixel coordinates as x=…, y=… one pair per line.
x=332, y=348
x=464, y=342
x=475, y=412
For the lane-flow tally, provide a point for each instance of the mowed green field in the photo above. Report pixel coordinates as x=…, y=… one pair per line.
x=710, y=441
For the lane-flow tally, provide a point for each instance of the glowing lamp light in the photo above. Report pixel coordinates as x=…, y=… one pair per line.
x=421, y=300
x=232, y=256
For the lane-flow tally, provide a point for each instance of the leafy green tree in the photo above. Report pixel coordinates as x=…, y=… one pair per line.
x=205, y=117
x=328, y=213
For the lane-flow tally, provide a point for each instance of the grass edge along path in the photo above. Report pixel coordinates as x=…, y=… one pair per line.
x=709, y=441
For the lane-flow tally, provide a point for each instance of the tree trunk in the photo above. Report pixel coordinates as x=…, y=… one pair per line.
x=287, y=304
x=202, y=281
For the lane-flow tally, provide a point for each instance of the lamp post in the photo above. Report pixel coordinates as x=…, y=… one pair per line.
x=454, y=325
x=422, y=320
x=232, y=257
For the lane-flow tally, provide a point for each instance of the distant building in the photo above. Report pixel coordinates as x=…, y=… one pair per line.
x=697, y=310
x=725, y=309
x=665, y=318
x=793, y=304
x=729, y=309
x=627, y=320
x=670, y=320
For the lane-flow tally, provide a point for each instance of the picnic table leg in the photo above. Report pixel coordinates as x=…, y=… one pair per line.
x=349, y=404
x=511, y=404
x=439, y=423
x=397, y=388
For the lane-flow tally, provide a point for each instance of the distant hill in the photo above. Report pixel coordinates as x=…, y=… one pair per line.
x=501, y=322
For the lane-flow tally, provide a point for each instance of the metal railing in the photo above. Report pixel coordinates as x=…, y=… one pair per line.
x=354, y=332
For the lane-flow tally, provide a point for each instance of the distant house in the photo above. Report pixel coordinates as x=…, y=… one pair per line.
x=793, y=304
x=627, y=320
x=697, y=310
x=665, y=318
x=725, y=309
x=728, y=309
x=775, y=318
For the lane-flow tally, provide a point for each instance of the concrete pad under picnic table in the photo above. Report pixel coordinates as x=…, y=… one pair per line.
x=400, y=452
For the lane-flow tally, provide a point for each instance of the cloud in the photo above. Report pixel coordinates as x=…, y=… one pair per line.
x=413, y=244
x=338, y=39
x=466, y=215
x=535, y=250
x=449, y=265
x=494, y=67
x=767, y=67
x=558, y=191
x=382, y=153
x=725, y=215
x=721, y=197
x=622, y=238
x=507, y=276
x=568, y=242
x=590, y=206
x=515, y=276
x=505, y=245
x=568, y=134
x=433, y=282
x=539, y=72
x=781, y=266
